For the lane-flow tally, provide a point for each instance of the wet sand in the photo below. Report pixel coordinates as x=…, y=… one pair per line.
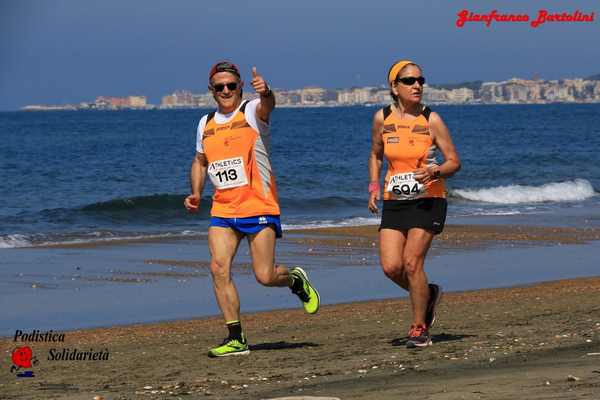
x=456, y=236
x=536, y=342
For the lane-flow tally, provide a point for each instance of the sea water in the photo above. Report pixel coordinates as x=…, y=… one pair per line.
x=86, y=176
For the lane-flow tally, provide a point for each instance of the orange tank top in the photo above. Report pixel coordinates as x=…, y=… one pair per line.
x=239, y=169
x=408, y=145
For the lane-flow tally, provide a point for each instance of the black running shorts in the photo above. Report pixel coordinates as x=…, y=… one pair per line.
x=428, y=213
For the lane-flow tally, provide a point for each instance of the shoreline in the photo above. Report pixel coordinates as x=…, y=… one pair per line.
x=454, y=236
x=498, y=342
x=82, y=286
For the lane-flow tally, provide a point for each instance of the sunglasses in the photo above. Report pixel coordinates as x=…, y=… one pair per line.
x=219, y=87
x=410, y=80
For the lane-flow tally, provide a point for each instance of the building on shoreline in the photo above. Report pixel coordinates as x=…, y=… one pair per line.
x=117, y=103
x=513, y=91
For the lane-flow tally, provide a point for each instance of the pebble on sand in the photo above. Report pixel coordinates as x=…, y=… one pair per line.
x=304, y=398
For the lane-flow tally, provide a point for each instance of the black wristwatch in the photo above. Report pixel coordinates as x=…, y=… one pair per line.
x=267, y=93
x=437, y=173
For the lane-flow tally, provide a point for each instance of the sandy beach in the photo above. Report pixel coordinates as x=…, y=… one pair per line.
x=535, y=341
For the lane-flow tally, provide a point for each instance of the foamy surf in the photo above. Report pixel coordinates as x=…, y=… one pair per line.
x=13, y=241
x=358, y=221
x=576, y=190
x=91, y=238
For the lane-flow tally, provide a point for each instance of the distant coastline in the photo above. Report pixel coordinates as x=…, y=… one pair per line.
x=512, y=91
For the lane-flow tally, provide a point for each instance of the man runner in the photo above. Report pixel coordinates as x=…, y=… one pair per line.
x=232, y=146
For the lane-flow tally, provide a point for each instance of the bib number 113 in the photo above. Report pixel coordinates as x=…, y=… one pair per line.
x=227, y=175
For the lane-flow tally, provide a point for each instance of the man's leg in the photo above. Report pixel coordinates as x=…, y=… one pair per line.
x=223, y=244
x=262, y=249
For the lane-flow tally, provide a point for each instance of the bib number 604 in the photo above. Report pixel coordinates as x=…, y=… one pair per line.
x=406, y=189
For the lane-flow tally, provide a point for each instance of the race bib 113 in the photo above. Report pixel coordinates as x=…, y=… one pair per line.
x=227, y=174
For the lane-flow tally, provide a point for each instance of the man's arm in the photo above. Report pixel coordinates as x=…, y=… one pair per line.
x=267, y=98
x=197, y=178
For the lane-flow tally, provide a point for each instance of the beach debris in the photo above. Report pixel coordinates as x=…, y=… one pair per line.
x=492, y=359
x=547, y=383
x=304, y=398
x=572, y=378
x=147, y=387
x=593, y=354
x=98, y=398
x=362, y=371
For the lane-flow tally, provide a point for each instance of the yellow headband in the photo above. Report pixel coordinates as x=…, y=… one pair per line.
x=396, y=68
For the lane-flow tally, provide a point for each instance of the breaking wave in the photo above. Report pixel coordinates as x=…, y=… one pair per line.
x=576, y=190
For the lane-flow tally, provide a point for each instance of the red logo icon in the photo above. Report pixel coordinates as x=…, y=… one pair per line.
x=21, y=357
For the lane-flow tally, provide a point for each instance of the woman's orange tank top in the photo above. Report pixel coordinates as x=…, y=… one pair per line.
x=408, y=145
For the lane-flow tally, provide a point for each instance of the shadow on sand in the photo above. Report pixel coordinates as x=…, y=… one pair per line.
x=281, y=346
x=442, y=337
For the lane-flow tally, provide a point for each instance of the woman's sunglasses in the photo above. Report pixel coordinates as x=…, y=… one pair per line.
x=410, y=80
x=219, y=87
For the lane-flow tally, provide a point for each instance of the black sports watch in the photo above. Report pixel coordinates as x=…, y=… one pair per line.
x=267, y=93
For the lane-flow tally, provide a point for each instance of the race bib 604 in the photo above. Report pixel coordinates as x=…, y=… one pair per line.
x=404, y=186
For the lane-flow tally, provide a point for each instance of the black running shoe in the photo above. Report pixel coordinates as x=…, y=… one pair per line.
x=418, y=336
x=435, y=295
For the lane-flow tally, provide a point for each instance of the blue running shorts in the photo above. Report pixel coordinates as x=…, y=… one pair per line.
x=249, y=225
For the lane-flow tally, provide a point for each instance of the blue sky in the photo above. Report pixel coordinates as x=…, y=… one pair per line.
x=68, y=51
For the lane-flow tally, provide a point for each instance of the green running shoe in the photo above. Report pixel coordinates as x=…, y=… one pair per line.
x=307, y=293
x=230, y=347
